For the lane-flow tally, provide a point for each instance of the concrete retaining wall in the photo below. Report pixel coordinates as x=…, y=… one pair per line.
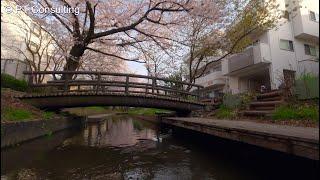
x=16, y=132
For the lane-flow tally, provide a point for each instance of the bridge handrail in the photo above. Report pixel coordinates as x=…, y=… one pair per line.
x=99, y=84
x=110, y=74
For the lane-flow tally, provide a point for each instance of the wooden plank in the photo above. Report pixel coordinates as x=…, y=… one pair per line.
x=107, y=73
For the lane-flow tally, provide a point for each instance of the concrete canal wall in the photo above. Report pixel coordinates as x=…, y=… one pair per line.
x=17, y=132
x=299, y=141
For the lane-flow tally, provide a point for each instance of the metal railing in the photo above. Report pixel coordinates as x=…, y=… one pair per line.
x=92, y=81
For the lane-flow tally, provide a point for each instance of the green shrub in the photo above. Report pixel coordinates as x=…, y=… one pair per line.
x=48, y=115
x=246, y=99
x=242, y=100
x=226, y=113
x=8, y=81
x=309, y=113
x=11, y=114
x=231, y=101
x=296, y=113
x=284, y=112
x=307, y=86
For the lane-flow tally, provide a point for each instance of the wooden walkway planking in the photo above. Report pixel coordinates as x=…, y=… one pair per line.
x=299, y=141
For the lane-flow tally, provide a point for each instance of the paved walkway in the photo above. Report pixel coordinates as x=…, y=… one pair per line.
x=307, y=133
x=301, y=141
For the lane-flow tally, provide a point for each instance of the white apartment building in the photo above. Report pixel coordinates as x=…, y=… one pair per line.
x=17, y=31
x=212, y=79
x=290, y=49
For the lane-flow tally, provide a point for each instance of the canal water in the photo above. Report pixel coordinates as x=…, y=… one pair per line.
x=125, y=147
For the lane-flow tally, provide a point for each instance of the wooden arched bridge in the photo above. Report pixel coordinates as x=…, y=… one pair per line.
x=61, y=89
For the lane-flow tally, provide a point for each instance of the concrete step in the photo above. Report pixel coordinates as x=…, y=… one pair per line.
x=265, y=103
x=270, y=94
x=257, y=113
x=258, y=108
x=275, y=98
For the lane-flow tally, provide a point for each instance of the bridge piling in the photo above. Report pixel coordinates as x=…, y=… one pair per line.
x=127, y=85
x=98, y=83
x=153, y=84
x=66, y=85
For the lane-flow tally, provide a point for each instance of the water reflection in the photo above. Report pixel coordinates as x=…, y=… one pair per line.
x=118, y=132
x=126, y=148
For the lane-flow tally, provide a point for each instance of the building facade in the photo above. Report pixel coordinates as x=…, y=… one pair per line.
x=212, y=79
x=287, y=51
x=23, y=43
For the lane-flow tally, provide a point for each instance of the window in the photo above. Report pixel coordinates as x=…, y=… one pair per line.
x=310, y=50
x=314, y=16
x=286, y=45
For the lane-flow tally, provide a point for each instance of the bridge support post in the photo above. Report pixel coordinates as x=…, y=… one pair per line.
x=30, y=80
x=98, y=83
x=153, y=85
x=66, y=85
x=127, y=85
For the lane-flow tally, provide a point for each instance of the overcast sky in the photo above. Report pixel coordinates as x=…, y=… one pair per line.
x=137, y=68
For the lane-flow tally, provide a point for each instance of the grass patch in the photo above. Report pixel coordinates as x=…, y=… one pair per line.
x=48, y=115
x=11, y=114
x=226, y=113
x=146, y=111
x=302, y=112
x=96, y=108
x=92, y=110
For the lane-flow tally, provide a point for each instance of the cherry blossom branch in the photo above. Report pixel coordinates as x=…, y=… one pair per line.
x=113, y=55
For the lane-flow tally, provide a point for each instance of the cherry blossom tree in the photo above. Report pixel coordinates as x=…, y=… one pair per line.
x=117, y=25
x=120, y=29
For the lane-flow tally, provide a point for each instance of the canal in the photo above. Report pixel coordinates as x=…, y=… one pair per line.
x=124, y=147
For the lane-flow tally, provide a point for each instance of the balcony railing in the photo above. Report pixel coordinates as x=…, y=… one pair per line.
x=250, y=56
x=304, y=27
x=211, y=79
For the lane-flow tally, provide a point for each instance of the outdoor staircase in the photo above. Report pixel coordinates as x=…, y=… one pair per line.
x=265, y=104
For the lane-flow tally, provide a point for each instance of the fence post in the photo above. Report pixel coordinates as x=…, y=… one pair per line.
x=198, y=93
x=98, y=83
x=127, y=85
x=153, y=84
x=30, y=80
x=66, y=85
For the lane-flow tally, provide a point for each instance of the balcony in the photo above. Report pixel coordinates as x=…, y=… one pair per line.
x=213, y=79
x=252, y=58
x=304, y=27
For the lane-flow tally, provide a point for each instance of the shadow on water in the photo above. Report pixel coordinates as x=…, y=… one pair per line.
x=254, y=162
x=123, y=147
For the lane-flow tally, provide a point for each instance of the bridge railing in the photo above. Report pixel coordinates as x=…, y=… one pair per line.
x=92, y=81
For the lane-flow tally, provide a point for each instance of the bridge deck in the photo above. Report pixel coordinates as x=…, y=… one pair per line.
x=300, y=141
x=78, y=99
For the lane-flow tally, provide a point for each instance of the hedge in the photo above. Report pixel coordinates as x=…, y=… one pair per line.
x=8, y=81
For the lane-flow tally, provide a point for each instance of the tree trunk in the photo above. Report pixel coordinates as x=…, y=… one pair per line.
x=73, y=60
